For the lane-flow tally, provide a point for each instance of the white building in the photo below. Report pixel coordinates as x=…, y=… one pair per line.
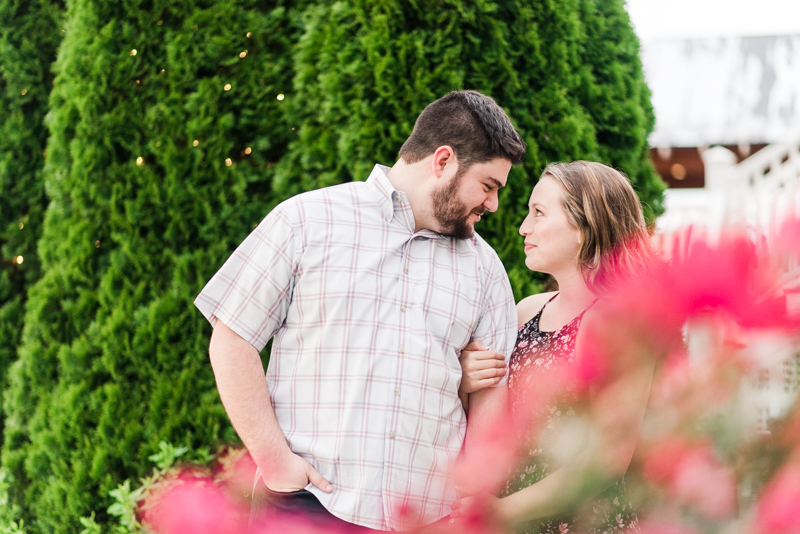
x=727, y=142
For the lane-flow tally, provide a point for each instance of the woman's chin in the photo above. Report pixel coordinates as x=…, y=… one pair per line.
x=533, y=265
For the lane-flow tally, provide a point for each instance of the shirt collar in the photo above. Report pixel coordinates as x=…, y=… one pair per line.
x=388, y=197
x=382, y=189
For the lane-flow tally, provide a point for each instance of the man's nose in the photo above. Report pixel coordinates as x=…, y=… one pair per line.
x=492, y=203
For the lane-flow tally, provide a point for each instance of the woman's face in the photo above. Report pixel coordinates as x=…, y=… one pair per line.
x=551, y=242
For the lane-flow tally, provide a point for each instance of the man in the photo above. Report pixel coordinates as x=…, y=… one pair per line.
x=371, y=290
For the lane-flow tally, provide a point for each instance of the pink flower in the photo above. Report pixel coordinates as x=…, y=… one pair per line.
x=693, y=477
x=779, y=504
x=705, y=484
x=196, y=506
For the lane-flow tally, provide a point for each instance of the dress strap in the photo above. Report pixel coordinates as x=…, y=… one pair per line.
x=536, y=318
x=549, y=301
x=587, y=307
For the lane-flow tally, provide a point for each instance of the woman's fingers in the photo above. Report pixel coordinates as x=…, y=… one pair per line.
x=487, y=355
x=488, y=373
x=485, y=365
x=488, y=382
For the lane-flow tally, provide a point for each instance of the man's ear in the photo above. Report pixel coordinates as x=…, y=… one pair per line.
x=442, y=157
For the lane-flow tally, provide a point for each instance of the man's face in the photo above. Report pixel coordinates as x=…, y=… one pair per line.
x=459, y=204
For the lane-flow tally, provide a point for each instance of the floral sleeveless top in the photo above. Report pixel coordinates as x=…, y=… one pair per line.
x=536, y=353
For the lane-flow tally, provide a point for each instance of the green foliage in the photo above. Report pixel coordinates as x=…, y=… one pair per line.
x=114, y=355
x=29, y=35
x=127, y=502
x=9, y=513
x=168, y=454
x=90, y=526
x=566, y=71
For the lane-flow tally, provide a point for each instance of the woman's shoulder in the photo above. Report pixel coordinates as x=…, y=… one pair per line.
x=530, y=306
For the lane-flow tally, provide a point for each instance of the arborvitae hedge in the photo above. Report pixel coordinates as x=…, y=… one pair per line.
x=566, y=71
x=29, y=35
x=114, y=356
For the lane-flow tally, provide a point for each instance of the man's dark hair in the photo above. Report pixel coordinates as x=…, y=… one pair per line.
x=472, y=124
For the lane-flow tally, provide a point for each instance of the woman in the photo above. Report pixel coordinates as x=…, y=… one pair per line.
x=586, y=229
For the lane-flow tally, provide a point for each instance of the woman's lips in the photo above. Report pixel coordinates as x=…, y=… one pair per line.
x=528, y=247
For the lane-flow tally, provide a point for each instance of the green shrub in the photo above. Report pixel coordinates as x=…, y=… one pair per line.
x=114, y=355
x=29, y=35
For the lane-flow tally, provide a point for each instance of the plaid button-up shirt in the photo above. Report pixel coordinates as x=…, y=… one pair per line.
x=369, y=319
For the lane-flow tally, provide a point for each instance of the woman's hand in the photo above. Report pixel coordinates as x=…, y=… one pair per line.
x=482, y=508
x=480, y=368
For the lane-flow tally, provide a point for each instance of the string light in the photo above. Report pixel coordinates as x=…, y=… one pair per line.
x=97, y=244
x=163, y=71
x=138, y=82
x=160, y=22
x=228, y=162
x=248, y=150
x=249, y=34
x=281, y=96
x=227, y=87
x=19, y=260
x=133, y=52
x=243, y=53
x=21, y=225
x=195, y=142
x=24, y=92
x=139, y=160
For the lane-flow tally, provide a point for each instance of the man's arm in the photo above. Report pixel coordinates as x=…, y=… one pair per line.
x=243, y=390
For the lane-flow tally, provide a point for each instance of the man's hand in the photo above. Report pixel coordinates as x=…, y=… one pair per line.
x=292, y=473
x=243, y=390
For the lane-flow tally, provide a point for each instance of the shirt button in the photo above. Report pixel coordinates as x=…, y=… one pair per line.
x=392, y=435
x=403, y=309
x=405, y=271
x=397, y=392
x=401, y=350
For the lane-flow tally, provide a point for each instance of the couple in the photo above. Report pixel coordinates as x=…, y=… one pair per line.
x=373, y=289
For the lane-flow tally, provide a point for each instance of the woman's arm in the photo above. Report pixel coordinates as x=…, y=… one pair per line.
x=483, y=368
x=616, y=411
x=616, y=415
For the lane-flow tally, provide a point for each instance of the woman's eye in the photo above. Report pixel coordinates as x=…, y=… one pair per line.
x=537, y=213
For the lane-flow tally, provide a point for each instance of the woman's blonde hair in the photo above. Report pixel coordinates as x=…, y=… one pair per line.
x=602, y=205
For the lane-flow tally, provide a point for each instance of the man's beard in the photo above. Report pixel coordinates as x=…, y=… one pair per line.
x=452, y=214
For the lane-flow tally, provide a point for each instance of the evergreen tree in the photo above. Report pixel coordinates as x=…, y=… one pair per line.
x=164, y=123
x=566, y=71
x=29, y=35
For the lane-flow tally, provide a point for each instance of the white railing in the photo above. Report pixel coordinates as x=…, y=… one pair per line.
x=756, y=195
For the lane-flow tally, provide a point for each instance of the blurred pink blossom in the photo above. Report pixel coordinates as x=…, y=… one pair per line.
x=778, y=510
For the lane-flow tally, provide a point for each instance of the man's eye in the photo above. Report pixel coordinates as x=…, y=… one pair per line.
x=538, y=213
x=486, y=188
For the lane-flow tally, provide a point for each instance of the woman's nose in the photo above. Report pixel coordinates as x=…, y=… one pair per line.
x=525, y=227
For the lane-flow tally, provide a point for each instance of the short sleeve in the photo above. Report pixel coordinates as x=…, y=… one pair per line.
x=252, y=290
x=497, y=326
